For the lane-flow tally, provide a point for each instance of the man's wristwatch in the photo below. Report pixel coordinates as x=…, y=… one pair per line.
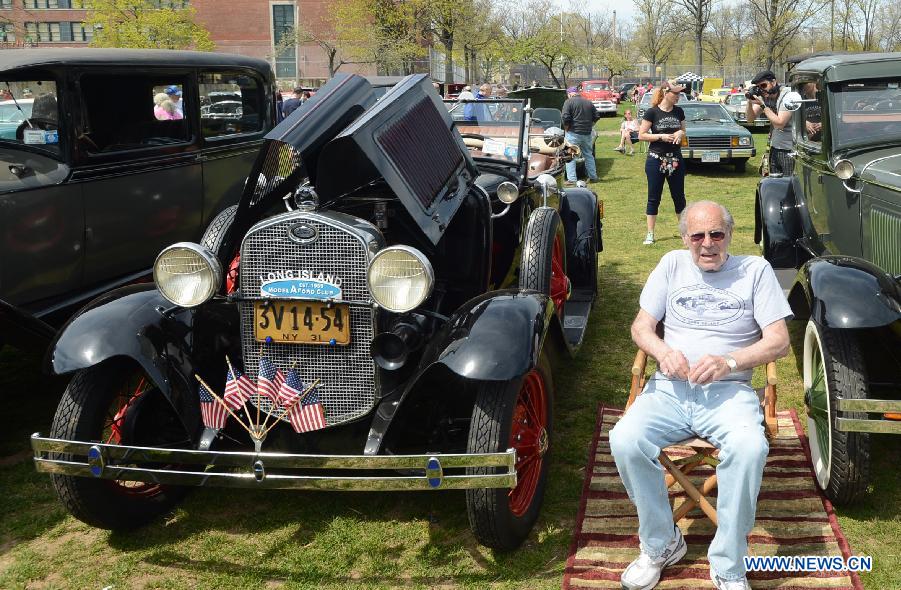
x=733, y=365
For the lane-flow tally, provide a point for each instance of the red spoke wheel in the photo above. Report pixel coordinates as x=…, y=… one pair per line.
x=514, y=415
x=115, y=403
x=528, y=435
x=543, y=265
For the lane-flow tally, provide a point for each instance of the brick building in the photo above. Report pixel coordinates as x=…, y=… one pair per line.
x=247, y=27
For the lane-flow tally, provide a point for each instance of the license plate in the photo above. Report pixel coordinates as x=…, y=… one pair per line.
x=302, y=322
x=710, y=157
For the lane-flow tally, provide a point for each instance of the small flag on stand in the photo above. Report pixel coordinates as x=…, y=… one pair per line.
x=213, y=413
x=238, y=388
x=270, y=380
x=306, y=414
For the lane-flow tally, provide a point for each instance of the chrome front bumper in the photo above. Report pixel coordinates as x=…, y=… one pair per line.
x=725, y=154
x=251, y=470
x=873, y=425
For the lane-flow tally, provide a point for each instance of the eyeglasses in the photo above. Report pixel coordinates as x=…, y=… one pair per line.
x=764, y=84
x=715, y=236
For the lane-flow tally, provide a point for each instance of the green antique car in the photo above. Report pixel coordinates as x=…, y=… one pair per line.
x=832, y=231
x=712, y=135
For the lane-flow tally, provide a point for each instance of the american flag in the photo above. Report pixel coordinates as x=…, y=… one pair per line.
x=213, y=413
x=238, y=389
x=305, y=415
x=270, y=380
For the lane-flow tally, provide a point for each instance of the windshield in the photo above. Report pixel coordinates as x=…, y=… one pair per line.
x=596, y=87
x=29, y=114
x=866, y=112
x=704, y=112
x=491, y=128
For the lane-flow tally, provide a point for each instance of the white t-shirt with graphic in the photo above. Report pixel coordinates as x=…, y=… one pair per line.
x=713, y=312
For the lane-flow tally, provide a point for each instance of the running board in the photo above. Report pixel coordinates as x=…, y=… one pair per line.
x=575, y=319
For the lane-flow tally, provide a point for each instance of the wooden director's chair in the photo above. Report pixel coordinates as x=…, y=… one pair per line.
x=704, y=452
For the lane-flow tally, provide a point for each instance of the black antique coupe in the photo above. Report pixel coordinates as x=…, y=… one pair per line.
x=832, y=231
x=395, y=324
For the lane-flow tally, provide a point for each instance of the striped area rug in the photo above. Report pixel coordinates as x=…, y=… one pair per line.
x=792, y=519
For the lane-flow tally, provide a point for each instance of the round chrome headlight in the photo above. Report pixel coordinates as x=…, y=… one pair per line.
x=187, y=274
x=844, y=169
x=400, y=278
x=744, y=141
x=507, y=192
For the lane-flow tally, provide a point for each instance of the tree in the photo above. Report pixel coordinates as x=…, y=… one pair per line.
x=721, y=36
x=590, y=32
x=777, y=22
x=139, y=24
x=694, y=18
x=445, y=19
x=534, y=34
x=384, y=32
x=652, y=36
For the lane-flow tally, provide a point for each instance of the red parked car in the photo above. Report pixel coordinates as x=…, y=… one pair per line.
x=597, y=90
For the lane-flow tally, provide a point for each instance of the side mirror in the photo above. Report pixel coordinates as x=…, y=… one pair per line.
x=553, y=136
x=792, y=101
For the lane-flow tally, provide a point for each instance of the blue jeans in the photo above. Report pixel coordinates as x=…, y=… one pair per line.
x=676, y=182
x=584, y=142
x=728, y=414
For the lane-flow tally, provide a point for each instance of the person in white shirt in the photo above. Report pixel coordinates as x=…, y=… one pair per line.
x=628, y=133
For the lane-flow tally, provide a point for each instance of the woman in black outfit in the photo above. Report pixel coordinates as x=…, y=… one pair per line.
x=663, y=127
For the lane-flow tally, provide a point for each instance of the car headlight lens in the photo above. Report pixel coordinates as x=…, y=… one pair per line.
x=844, y=169
x=507, y=192
x=187, y=274
x=400, y=278
x=744, y=141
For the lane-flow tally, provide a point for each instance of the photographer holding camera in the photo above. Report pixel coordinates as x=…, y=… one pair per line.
x=765, y=98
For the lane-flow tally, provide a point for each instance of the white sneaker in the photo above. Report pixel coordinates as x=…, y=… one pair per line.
x=649, y=239
x=644, y=572
x=723, y=584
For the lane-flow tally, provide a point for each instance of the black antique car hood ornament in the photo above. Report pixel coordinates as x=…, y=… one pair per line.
x=408, y=139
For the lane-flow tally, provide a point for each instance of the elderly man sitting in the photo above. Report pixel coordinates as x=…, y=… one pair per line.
x=723, y=315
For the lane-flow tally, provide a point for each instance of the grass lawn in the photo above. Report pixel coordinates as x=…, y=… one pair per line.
x=223, y=538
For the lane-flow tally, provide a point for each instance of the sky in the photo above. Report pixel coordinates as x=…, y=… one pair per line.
x=623, y=8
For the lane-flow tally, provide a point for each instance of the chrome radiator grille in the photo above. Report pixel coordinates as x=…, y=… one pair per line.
x=346, y=373
x=718, y=143
x=885, y=228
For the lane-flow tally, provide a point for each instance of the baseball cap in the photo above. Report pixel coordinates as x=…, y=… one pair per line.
x=764, y=75
x=172, y=90
x=572, y=90
x=672, y=85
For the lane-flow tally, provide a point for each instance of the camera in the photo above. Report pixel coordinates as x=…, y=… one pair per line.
x=754, y=91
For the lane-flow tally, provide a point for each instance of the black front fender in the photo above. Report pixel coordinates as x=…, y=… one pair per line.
x=494, y=337
x=777, y=226
x=579, y=213
x=844, y=292
x=129, y=322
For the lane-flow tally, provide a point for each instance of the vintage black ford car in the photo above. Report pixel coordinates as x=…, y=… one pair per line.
x=415, y=286
x=95, y=178
x=834, y=230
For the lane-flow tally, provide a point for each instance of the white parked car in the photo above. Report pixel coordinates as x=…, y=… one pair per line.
x=605, y=107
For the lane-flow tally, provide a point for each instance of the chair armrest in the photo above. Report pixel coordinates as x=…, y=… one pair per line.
x=771, y=373
x=639, y=365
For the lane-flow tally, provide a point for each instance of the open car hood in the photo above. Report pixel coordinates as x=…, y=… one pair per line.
x=407, y=138
x=292, y=149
